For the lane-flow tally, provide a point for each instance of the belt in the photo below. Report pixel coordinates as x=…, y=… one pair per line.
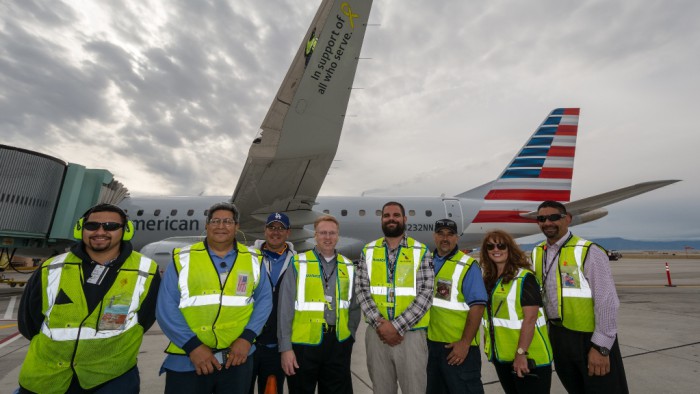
x=556, y=322
x=328, y=329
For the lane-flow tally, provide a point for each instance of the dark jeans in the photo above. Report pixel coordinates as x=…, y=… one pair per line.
x=266, y=362
x=450, y=379
x=512, y=384
x=327, y=365
x=128, y=382
x=235, y=380
x=571, y=363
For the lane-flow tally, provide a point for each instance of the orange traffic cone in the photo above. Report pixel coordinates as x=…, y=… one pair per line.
x=271, y=385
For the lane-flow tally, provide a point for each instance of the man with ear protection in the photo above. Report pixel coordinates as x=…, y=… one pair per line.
x=86, y=311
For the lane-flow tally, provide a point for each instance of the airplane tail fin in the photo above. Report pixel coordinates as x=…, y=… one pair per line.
x=289, y=159
x=542, y=170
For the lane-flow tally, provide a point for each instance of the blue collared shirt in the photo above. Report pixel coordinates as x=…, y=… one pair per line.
x=173, y=323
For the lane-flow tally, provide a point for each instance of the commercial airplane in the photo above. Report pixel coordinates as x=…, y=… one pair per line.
x=290, y=157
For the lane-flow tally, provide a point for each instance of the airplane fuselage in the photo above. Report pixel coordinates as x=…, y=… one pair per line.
x=158, y=218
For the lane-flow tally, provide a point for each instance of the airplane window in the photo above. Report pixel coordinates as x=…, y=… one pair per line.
x=428, y=213
x=378, y=212
x=362, y=212
x=326, y=211
x=344, y=212
x=156, y=212
x=190, y=212
x=411, y=212
x=206, y=212
x=173, y=212
x=139, y=212
x=449, y=215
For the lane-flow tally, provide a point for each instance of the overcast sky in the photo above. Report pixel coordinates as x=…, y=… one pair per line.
x=168, y=95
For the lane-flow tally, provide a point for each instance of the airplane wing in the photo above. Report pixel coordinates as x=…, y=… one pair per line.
x=590, y=204
x=289, y=159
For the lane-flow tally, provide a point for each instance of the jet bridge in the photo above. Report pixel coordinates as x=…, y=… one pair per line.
x=41, y=197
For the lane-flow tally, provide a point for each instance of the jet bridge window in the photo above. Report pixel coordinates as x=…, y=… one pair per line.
x=428, y=213
x=139, y=212
x=156, y=212
x=173, y=212
x=190, y=212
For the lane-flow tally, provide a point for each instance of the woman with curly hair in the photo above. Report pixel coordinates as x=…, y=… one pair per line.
x=516, y=340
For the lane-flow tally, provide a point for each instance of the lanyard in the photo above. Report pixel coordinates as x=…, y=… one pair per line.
x=555, y=261
x=326, y=278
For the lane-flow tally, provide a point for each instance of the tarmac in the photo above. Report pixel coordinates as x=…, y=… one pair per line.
x=659, y=333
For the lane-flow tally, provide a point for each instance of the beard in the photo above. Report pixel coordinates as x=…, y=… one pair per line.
x=393, y=232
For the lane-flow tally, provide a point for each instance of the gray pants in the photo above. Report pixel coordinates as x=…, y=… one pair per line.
x=405, y=362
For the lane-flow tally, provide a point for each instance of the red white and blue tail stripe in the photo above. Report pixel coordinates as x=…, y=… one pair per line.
x=542, y=170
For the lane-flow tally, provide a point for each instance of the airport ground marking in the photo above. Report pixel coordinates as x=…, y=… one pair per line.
x=10, y=308
x=8, y=340
x=8, y=325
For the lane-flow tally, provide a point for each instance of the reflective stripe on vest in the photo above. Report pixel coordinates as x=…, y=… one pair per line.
x=452, y=303
x=506, y=331
x=95, y=345
x=186, y=300
x=403, y=287
x=309, y=320
x=513, y=322
x=575, y=299
x=87, y=333
x=449, y=317
x=400, y=291
x=216, y=313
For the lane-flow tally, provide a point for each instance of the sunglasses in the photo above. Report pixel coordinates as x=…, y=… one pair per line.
x=107, y=226
x=552, y=218
x=499, y=246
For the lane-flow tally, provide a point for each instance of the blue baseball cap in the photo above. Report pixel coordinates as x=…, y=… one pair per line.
x=279, y=218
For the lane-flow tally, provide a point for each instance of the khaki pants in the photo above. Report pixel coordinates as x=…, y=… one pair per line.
x=405, y=363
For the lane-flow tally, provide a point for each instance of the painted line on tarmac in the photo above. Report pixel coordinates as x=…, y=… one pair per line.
x=8, y=340
x=629, y=286
x=8, y=325
x=10, y=308
x=661, y=350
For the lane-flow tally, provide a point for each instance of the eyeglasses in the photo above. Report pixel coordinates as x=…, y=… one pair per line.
x=107, y=226
x=499, y=246
x=327, y=233
x=218, y=221
x=552, y=218
x=276, y=229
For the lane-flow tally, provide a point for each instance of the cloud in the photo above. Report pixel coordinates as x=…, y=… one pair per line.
x=169, y=95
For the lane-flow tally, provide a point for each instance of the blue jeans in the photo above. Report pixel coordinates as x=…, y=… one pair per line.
x=452, y=379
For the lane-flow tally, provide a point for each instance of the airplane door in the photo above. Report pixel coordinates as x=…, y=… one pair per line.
x=453, y=210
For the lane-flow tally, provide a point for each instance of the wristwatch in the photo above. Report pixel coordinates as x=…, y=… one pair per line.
x=601, y=349
x=522, y=352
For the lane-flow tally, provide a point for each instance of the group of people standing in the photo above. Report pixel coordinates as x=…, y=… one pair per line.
x=236, y=314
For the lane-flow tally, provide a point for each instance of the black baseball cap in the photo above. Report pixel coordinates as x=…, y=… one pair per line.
x=446, y=223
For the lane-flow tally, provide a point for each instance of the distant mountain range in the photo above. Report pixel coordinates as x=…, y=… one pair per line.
x=628, y=244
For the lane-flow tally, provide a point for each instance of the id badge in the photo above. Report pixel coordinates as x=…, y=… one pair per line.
x=390, y=295
x=98, y=273
x=114, y=315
